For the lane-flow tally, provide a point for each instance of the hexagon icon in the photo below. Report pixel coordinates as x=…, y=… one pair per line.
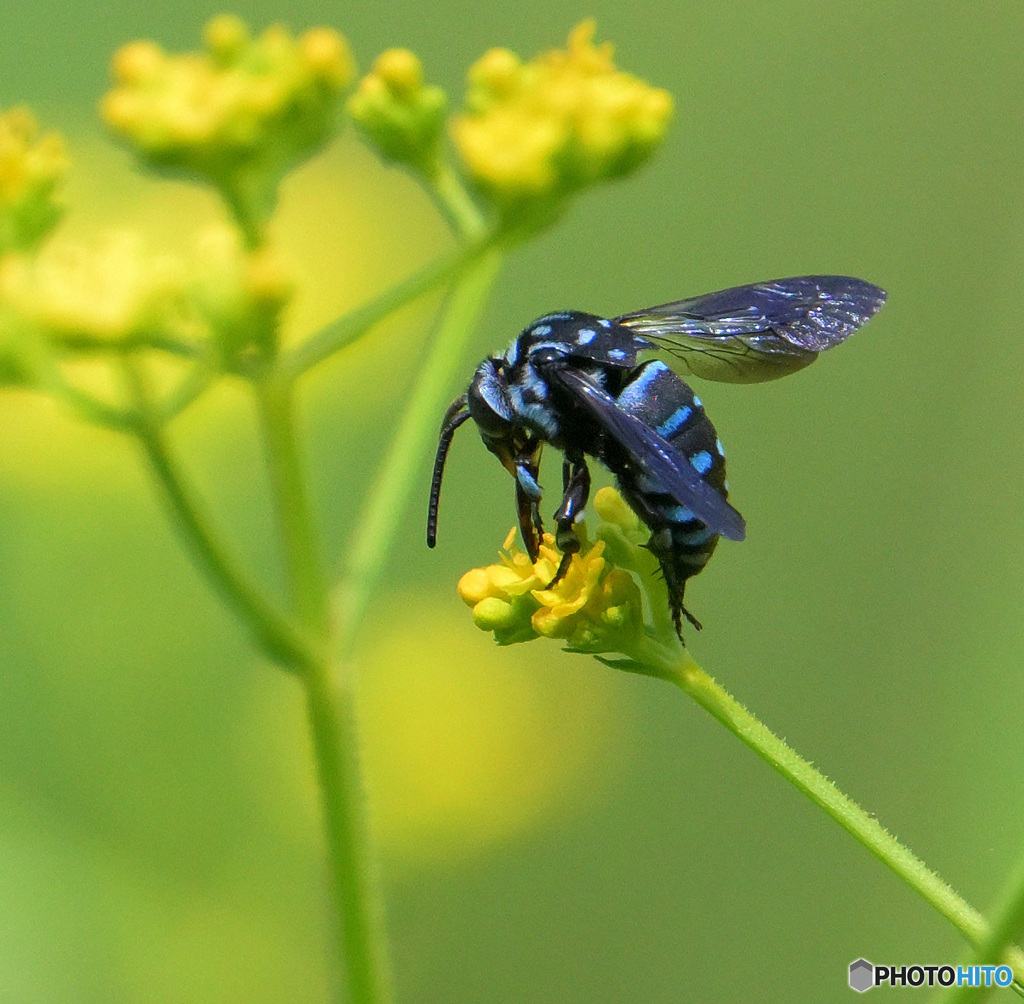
x=862, y=975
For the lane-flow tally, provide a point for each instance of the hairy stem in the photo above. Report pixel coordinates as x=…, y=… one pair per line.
x=679, y=668
x=1007, y=925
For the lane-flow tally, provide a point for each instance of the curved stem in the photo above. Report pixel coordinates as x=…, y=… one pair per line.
x=355, y=324
x=679, y=668
x=387, y=498
x=275, y=633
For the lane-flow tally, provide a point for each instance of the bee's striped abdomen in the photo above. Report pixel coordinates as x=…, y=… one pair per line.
x=681, y=542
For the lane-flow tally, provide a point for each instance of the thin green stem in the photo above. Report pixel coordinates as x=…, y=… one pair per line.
x=455, y=203
x=352, y=863
x=87, y=343
x=276, y=635
x=240, y=200
x=330, y=706
x=1005, y=929
x=355, y=324
x=192, y=386
x=387, y=498
x=679, y=668
x=301, y=550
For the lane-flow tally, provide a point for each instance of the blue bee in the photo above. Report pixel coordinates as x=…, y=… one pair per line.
x=576, y=381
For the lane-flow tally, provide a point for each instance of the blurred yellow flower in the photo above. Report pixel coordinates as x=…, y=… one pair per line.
x=466, y=746
x=239, y=291
x=239, y=113
x=31, y=168
x=111, y=291
x=400, y=115
x=540, y=130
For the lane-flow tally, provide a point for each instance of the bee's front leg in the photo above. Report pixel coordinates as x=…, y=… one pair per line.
x=528, y=496
x=576, y=485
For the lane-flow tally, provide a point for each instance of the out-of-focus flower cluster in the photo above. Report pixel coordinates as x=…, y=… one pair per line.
x=398, y=113
x=111, y=291
x=239, y=293
x=542, y=129
x=595, y=606
x=31, y=168
x=239, y=113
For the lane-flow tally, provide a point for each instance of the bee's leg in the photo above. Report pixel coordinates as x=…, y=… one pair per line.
x=528, y=496
x=576, y=481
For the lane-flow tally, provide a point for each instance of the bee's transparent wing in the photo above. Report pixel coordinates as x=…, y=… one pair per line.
x=747, y=334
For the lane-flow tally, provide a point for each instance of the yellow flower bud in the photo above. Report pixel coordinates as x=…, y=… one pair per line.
x=225, y=36
x=31, y=168
x=329, y=57
x=239, y=292
x=400, y=115
x=612, y=508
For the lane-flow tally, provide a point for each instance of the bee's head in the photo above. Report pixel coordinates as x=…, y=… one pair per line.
x=489, y=403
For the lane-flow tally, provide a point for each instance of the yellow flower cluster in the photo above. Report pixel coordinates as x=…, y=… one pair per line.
x=119, y=290
x=594, y=607
x=107, y=292
x=31, y=168
x=244, y=106
x=399, y=114
x=542, y=129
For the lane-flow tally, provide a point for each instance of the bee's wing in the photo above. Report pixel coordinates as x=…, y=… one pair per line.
x=751, y=333
x=654, y=456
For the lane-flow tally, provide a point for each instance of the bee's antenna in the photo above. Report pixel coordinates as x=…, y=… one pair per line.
x=456, y=414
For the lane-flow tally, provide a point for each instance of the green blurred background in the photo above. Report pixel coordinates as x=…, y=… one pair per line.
x=551, y=830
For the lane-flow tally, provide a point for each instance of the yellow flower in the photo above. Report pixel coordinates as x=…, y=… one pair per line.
x=239, y=113
x=543, y=129
x=594, y=607
x=110, y=291
x=400, y=115
x=31, y=167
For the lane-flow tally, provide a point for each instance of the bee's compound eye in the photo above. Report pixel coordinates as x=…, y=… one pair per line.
x=488, y=400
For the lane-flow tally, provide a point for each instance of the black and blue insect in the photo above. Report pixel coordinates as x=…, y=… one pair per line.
x=578, y=382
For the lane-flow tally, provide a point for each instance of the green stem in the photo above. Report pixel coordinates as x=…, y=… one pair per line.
x=679, y=668
x=387, y=498
x=331, y=708
x=1006, y=928
x=241, y=201
x=192, y=386
x=355, y=324
x=356, y=885
x=301, y=551
x=274, y=632
x=455, y=203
